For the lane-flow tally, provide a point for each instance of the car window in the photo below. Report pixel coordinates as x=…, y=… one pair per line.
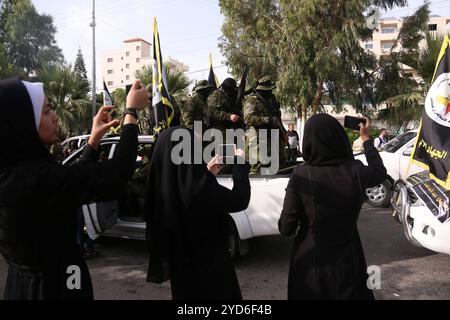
x=395, y=144
x=105, y=150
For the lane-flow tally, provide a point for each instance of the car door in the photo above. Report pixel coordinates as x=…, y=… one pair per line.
x=99, y=215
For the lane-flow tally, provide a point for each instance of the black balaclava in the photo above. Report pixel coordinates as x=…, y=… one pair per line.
x=265, y=94
x=229, y=85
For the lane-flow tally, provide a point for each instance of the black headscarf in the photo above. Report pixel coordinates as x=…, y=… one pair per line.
x=171, y=190
x=19, y=139
x=325, y=142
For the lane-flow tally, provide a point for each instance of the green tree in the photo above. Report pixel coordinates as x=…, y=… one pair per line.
x=314, y=49
x=61, y=89
x=406, y=105
x=177, y=81
x=28, y=37
x=80, y=73
x=6, y=68
x=83, y=90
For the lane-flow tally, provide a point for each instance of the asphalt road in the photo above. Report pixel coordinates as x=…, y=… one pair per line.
x=407, y=272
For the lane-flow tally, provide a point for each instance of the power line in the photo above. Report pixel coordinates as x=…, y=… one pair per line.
x=133, y=7
x=414, y=8
x=203, y=70
x=111, y=9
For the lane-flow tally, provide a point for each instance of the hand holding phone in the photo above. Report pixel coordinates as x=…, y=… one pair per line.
x=364, y=130
x=353, y=122
x=138, y=96
x=226, y=152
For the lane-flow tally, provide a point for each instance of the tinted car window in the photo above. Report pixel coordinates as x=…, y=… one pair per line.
x=393, y=145
x=105, y=150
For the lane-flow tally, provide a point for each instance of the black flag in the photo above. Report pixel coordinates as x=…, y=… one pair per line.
x=212, y=78
x=432, y=148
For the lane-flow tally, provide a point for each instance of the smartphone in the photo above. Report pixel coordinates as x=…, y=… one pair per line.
x=127, y=89
x=227, y=152
x=353, y=122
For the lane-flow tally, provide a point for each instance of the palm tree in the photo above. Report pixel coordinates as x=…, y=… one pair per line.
x=62, y=91
x=406, y=107
x=177, y=82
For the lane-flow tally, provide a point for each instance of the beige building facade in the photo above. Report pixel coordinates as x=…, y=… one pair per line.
x=389, y=28
x=119, y=67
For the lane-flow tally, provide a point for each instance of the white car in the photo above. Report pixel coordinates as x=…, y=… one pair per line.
x=116, y=219
x=420, y=226
x=76, y=142
x=395, y=155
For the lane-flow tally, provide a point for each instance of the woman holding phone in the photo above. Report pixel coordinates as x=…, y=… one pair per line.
x=188, y=221
x=39, y=198
x=321, y=207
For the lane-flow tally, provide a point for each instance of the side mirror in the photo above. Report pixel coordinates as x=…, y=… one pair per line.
x=408, y=151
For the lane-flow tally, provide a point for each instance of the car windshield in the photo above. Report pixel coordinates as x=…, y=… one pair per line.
x=395, y=144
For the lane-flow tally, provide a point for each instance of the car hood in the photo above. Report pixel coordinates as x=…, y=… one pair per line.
x=417, y=178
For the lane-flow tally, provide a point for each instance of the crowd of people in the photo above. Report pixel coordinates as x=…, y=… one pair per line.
x=186, y=208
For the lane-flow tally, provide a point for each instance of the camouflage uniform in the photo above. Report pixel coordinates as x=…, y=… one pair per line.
x=196, y=107
x=258, y=111
x=220, y=109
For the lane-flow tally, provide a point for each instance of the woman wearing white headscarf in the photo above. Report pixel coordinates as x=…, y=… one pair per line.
x=39, y=197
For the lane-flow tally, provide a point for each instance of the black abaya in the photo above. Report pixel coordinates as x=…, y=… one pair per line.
x=188, y=225
x=322, y=205
x=39, y=200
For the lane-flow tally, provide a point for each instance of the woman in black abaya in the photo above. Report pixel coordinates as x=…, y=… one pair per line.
x=39, y=197
x=322, y=204
x=188, y=223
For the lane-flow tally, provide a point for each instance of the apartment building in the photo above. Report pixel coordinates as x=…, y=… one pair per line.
x=389, y=28
x=119, y=67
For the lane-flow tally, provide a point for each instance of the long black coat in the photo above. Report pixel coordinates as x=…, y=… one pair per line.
x=38, y=206
x=188, y=225
x=39, y=199
x=324, y=202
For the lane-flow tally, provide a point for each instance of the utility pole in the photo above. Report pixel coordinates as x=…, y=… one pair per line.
x=94, y=93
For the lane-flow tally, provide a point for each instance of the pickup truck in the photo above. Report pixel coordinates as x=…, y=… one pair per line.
x=395, y=155
x=421, y=227
x=124, y=218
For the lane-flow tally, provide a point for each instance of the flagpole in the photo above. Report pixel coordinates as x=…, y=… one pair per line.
x=94, y=94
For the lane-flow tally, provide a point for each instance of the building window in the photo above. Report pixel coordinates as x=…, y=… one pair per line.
x=138, y=48
x=110, y=83
x=110, y=60
x=368, y=46
x=127, y=53
x=387, y=46
x=122, y=81
x=121, y=58
x=128, y=66
x=110, y=71
x=138, y=60
x=432, y=27
x=127, y=77
x=388, y=30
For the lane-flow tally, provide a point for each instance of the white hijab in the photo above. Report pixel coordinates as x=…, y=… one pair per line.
x=37, y=96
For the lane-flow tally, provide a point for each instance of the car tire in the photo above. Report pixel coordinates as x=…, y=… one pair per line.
x=380, y=196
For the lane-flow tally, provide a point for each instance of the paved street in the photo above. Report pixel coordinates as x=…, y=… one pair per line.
x=407, y=272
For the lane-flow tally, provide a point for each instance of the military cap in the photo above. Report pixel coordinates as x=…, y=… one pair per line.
x=202, y=84
x=266, y=84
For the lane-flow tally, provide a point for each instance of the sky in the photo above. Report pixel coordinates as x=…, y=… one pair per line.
x=189, y=30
